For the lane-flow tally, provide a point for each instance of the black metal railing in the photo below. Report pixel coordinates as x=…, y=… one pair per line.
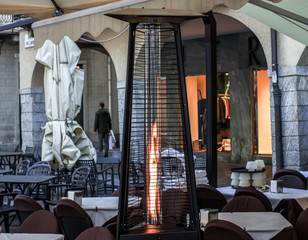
x=6, y=19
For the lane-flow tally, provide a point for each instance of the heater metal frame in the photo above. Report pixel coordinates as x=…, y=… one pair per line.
x=210, y=70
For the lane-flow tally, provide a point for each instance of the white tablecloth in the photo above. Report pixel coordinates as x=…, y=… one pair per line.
x=30, y=236
x=101, y=209
x=300, y=195
x=305, y=173
x=260, y=225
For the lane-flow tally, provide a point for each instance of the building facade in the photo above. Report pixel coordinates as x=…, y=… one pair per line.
x=242, y=54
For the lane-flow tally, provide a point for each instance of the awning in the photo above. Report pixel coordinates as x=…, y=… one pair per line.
x=81, y=16
x=91, y=21
x=287, y=17
x=94, y=21
x=42, y=9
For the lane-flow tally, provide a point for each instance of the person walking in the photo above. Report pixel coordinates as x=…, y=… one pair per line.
x=102, y=126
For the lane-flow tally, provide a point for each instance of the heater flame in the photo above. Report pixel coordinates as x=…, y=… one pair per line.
x=153, y=198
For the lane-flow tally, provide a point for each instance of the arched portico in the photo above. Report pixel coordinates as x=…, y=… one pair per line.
x=292, y=74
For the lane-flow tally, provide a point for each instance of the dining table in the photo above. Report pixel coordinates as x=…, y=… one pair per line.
x=24, y=181
x=104, y=162
x=259, y=225
x=31, y=236
x=300, y=195
x=9, y=160
x=2, y=172
x=101, y=209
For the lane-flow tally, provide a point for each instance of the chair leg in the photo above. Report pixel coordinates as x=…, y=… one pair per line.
x=6, y=222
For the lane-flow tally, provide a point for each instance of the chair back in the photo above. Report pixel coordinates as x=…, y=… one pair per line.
x=96, y=233
x=41, y=221
x=174, y=207
x=288, y=233
x=22, y=167
x=291, y=178
x=244, y=204
x=97, y=180
x=30, y=149
x=290, y=209
x=72, y=218
x=209, y=197
x=39, y=170
x=93, y=170
x=111, y=225
x=41, y=163
x=25, y=206
x=221, y=230
x=29, y=154
x=301, y=225
x=80, y=176
x=245, y=191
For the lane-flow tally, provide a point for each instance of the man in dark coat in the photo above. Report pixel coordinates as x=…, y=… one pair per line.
x=102, y=125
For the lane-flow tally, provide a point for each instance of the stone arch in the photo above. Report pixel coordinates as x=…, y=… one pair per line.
x=100, y=85
x=37, y=80
x=261, y=31
x=117, y=50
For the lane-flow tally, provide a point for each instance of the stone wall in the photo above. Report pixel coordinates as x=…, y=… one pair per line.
x=9, y=97
x=293, y=84
x=33, y=116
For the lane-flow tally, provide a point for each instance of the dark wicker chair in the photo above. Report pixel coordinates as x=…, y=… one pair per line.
x=301, y=226
x=209, y=197
x=288, y=233
x=290, y=209
x=244, y=204
x=41, y=221
x=291, y=179
x=96, y=233
x=221, y=230
x=25, y=206
x=254, y=193
x=111, y=225
x=174, y=207
x=72, y=218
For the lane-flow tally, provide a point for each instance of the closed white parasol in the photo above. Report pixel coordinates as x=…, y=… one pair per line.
x=64, y=140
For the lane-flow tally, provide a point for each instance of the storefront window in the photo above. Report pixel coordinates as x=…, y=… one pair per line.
x=263, y=119
x=196, y=92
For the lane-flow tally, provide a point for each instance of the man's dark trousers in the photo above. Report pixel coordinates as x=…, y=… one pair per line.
x=104, y=137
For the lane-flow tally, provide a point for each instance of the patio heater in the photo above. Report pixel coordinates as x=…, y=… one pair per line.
x=157, y=157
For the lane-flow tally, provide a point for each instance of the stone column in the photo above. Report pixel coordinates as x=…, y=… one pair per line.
x=121, y=86
x=9, y=98
x=293, y=84
x=33, y=116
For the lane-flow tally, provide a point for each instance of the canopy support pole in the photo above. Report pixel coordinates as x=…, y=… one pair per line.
x=211, y=98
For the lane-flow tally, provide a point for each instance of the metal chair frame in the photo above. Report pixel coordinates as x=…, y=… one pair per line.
x=97, y=180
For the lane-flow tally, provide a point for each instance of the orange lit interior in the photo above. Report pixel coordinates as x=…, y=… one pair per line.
x=153, y=191
x=264, y=119
x=193, y=84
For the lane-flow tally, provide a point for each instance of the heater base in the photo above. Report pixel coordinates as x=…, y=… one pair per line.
x=161, y=233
